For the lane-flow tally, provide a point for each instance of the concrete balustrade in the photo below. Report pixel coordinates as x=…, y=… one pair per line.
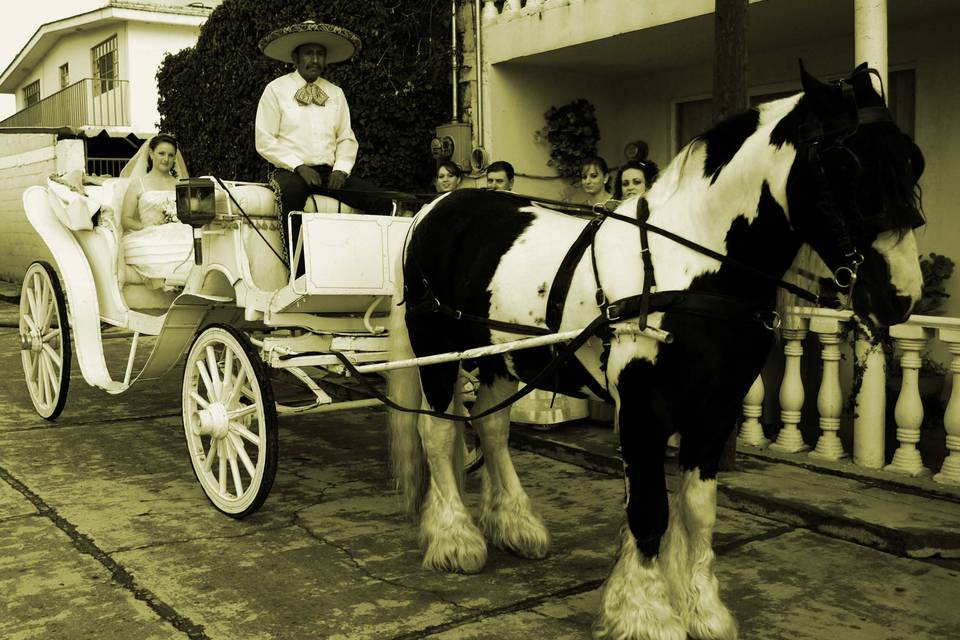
x=911, y=340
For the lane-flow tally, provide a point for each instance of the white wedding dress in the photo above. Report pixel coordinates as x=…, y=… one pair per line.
x=161, y=252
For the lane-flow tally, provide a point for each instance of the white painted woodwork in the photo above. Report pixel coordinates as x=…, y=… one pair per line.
x=908, y=413
x=789, y=440
x=950, y=471
x=751, y=431
x=829, y=398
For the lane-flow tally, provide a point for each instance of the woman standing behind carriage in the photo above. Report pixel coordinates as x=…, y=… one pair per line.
x=449, y=176
x=594, y=177
x=155, y=244
x=635, y=178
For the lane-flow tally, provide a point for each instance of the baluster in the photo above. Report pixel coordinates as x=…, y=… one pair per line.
x=829, y=398
x=790, y=440
x=751, y=431
x=489, y=13
x=908, y=413
x=511, y=8
x=532, y=6
x=950, y=471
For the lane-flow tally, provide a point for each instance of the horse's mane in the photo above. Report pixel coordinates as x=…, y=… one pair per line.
x=679, y=168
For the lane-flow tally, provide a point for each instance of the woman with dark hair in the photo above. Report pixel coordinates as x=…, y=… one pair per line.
x=635, y=178
x=594, y=178
x=449, y=175
x=154, y=243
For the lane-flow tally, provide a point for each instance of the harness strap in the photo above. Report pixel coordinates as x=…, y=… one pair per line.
x=649, y=279
x=435, y=306
x=699, y=248
x=564, y=354
x=557, y=297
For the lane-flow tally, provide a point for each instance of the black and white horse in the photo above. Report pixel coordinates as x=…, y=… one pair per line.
x=826, y=167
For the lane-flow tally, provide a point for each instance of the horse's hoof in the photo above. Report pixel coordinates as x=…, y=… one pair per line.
x=465, y=552
x=670, y=629
x=717, y=624
x=517, y=530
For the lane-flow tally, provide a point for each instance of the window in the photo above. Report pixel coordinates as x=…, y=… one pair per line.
x=106, y=68
x=31, y=93
x=64, y=75
x=696, y=116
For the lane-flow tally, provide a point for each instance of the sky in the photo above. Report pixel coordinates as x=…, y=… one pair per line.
x=20, y=21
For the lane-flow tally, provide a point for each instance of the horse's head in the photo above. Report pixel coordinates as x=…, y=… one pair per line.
x=854, y=196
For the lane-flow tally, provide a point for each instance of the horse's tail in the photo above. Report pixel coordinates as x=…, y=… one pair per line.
x=403, y=387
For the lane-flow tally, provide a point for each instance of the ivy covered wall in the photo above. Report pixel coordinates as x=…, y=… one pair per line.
x=398, y=86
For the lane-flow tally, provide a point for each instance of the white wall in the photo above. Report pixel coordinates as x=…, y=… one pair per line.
x=141, y=47
x=25, y=160
x=75, y=50
x=147, y=44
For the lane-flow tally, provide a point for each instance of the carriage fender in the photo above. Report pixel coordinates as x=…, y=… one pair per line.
x=78, y=284
x=188, y=313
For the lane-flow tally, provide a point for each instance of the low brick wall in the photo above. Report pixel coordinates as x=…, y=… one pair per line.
x=27, y=159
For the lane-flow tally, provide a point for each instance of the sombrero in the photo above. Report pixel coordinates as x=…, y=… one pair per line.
x=339, y=42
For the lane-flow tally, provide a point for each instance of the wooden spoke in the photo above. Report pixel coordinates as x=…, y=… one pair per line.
x=242, y=454
x=237, y=386
x=214, y=371
x=245, y=433
x=235, y=472
x=50, y=335
x=199, y=400
x=222, y=476
x=227, y=370
x=208, y=461
x=245, y=411
x=206, y=379
x=53, y=355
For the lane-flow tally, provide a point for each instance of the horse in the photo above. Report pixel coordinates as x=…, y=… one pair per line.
x=699, y=258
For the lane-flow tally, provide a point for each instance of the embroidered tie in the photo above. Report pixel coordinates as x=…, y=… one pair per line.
x=311, y=93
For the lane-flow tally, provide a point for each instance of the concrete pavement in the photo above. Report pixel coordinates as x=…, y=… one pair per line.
x=106, y=534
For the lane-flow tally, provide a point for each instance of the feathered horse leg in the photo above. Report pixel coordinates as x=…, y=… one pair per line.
x=507, y=517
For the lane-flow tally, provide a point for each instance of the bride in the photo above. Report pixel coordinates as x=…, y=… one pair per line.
x=155, y=244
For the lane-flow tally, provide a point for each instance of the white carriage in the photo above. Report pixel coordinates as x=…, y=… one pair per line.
x=236, y=315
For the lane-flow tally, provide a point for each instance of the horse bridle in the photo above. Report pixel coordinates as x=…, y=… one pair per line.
x=822, y=143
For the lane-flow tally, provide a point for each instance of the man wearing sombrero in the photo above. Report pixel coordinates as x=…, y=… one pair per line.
x=303, y=121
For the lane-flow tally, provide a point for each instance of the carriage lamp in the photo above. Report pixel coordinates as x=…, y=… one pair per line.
x=196, y=207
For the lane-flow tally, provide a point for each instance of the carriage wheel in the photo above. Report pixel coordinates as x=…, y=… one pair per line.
x=44, y=339
x=230, y=420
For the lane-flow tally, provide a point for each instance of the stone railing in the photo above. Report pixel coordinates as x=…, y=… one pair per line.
x=911, y=339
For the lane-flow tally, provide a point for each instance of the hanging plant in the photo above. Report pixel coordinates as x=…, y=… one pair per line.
x=573, y=134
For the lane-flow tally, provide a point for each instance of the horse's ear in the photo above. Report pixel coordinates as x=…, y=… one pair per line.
x=861, y=67
x=819, y=92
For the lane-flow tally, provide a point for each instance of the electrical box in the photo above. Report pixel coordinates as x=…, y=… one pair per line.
x=453, y=142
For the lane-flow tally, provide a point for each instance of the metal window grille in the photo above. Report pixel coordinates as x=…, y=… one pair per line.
x=64, y=75
x=106, y=65
x=31, y=93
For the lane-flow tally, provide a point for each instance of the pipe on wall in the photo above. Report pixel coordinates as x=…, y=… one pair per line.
x=454, y=67
x=478, y=73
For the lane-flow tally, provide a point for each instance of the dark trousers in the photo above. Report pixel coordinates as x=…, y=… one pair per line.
x=294, y=192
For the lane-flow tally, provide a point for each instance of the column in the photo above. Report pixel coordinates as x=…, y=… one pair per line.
x=910, y=339
x=950, y=471
x=789, y=440
x=870, y=35
x=829, y=398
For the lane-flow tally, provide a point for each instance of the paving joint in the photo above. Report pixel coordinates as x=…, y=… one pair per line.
x=118, y=573
x=526, y=604
x=178, y=542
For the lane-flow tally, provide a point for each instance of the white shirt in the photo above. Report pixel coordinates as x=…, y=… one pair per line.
x=289, y=134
